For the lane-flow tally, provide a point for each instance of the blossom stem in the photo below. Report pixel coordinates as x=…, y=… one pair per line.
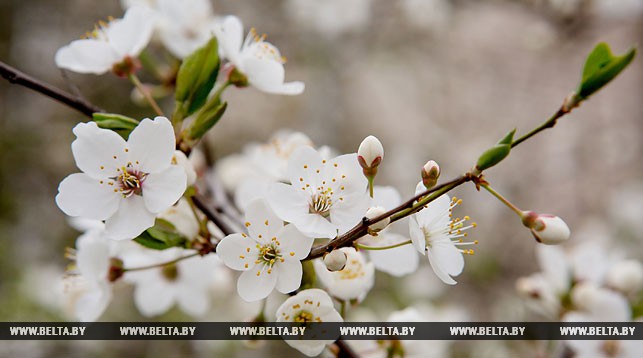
x=365, y=247
x=161, y=264
x=550, y=123
x=502, y=199
x=203, y=224
x=371, y=179
x=148, y=62
x=137, y=83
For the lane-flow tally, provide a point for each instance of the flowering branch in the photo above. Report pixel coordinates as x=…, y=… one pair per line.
x=78, y=103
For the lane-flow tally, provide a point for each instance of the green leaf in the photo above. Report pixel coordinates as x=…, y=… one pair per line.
x=601, y=67
x=493, y=156
x=207, y=118
x=196, y=77
x=161, y=236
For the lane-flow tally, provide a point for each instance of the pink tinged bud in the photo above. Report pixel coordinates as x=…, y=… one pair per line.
x=335, y=260
x=374, y=212
x=430, y=174
x=547, y=229
x=370, y=153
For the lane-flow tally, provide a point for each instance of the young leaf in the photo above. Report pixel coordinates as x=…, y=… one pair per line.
x=493, y=156
x=120, y=124
x=196, y=77
x=601, y=67
x=161, y=236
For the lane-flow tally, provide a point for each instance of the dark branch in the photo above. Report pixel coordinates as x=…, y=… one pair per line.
x=20, y=78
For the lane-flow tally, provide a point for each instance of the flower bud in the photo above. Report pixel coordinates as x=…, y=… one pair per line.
x=374, y=212
x=430, y=174
x=335, y=260
x=547, y=229
x=370, y=155
x=181, y=160
x=626, y=276
x=116, y=270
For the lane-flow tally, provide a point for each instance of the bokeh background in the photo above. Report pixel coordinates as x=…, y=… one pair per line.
x=432, y=79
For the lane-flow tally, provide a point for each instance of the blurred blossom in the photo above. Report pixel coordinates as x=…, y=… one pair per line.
x=330, y=18
x=617, y=9
x=182, y=283
x=351, y=283
x=430, y=15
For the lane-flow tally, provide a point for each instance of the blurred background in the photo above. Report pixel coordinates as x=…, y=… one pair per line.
x=432, y=79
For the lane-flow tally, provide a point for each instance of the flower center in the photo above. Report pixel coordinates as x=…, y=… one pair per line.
x=353, y=270
x=130, y=182
x=170, y=272
x=269, y=254
x=321, y=203
x=611, y=348
x=304, y=317
x=257, y=47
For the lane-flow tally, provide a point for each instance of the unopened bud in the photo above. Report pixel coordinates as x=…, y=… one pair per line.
x=374, y=212
x=430, y=174
x=626, y=276
x=181, y=160
x=335, y=260
x=547, y=229
x=370, y=155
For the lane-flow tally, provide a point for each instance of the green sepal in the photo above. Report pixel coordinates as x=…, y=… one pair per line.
x=207, y=118
x=161, y=236
x=120, y=124
x=508, y=139
x=196, y=77
x=600, y=68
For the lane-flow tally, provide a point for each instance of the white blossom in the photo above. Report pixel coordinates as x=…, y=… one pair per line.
x=550, y=229
x=269, y=255
x=626, y=276
x=110, y=44
x=435, y=233
x=182, y=217
x=124, y=183
x=179, y=158
x=258, y=60
x=325, y=196
x=352, y=282
x=184, y=283
x=312, y=305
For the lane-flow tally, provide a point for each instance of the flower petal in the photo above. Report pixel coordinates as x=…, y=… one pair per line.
x=348, y=212
x=93, y=302
x=152, y=144
x=348, y=173
x=94, y=150
x=256, y=284
x=436, y=214
x=87, y=56
x=80, y=195
x=289, y=275
x=304, y=167
x=193, y=301
x=92, y=256
x=230, y=35
x=129, y=35
x=386, y=196
x=398, y=261
x=261, y=221
x=316, y=226
x=162, y=190
x=238, y=252
x=153, y=298
x=131, y=219
x=417, y=235
x=287, y=203
x=292, y=240
x=439, y=256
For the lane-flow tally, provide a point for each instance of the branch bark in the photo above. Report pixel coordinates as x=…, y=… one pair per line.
x=15, y=76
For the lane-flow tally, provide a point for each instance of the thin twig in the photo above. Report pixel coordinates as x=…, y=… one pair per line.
x=15, y=76
x=212, y=215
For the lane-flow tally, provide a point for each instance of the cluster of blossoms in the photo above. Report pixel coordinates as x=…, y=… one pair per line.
x=586, y=285
x=139, y=197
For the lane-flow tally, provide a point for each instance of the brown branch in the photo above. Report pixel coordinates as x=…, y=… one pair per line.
x=361, y=229
x=20, y=78
x=212, y=215
x=345, y=351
